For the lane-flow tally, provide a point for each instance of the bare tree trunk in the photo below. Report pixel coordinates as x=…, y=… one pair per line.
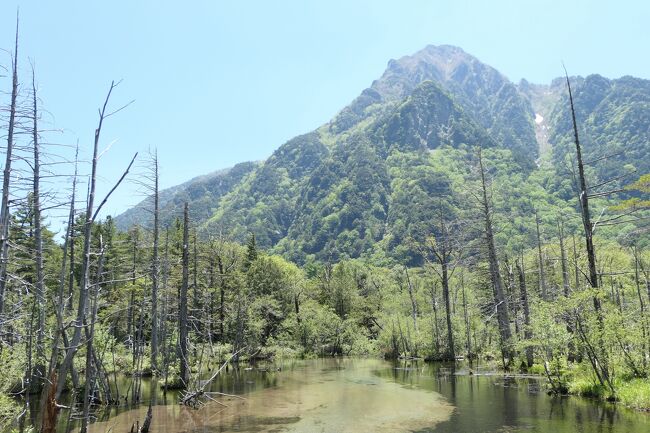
x=584, y=204
x=130, y=323
x=451, y=353
x=195, y=285
x=542, y=276
x=38, y=245
x=165, y=309
x=239, y=331
x=91, y=366
x=49, y=387
x=495, y=274
x=565, y=270
x=182, y=312
x=466, y=317
x=443, y=252
x=644, y=319
x=528, y=333
x=572, y=355
x=436, y=331
x=155, y=265
x=222, y=296
x=71, y=278
x=28, y=378
x=589, y=241
x=85, y=274
x=211, y=285
x=576, y=270
x=511, y=291
x=84, y=283
x=414, y=305
x=4, y=206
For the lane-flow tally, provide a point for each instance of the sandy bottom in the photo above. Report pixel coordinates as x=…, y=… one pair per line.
x=318, y=400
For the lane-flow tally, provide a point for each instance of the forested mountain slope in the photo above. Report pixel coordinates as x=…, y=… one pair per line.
x=369, y=181
x=614, y=116
x=202, y=191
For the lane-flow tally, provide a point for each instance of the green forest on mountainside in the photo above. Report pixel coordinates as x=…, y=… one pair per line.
x=421, y=222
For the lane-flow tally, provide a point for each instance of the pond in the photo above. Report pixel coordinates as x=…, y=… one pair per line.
x=370, y=395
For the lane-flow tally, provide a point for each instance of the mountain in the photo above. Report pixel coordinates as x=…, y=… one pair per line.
x=202, y=191
x=483, y=92
x=614, y=119
x=372, y=178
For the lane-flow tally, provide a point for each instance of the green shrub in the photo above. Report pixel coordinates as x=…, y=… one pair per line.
x=9, y=409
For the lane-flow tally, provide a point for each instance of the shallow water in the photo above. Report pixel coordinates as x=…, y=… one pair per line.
x=369, y=395
x=327, y=395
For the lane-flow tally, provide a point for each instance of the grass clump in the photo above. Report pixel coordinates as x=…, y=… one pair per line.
x=635, y=394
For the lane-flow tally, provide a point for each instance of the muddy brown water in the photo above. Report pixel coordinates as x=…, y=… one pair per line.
x=370, y=395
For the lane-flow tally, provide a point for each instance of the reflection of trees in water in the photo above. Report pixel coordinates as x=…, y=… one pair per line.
x=305, y=393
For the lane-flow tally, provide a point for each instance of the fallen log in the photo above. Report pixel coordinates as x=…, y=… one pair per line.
x=193, y=398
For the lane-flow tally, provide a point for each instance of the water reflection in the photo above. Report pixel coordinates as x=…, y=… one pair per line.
x=496, y=404
x=368, y=395
x=329, y=395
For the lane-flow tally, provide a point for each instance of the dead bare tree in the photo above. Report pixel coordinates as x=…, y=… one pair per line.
x=39, y=284
x=468, y=339
x=48, y=401
x=4, y=204
x=500, y=302
x=182, y=312
x=444, y=253
x=583, y=198
x=91, y=366
x=563, y=258
x=91, y=214
x=543, y=290
x=528, y=333
x=155, y=264
x=414, y=305
x=600, y=360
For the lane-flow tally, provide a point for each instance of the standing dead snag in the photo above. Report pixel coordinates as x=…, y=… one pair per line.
x=39, y=368
x=50, y=408
x=182, y=310
x=540, y=258
x=528, y=334
x=155, y=267
x=583, y=198
x=59, y=332
x=501, y=304
x=91, y=368
x=414, y=305
x=468, y=338
x=4, y=206
x=90, y=217
x=445, y=250
x=563, y=259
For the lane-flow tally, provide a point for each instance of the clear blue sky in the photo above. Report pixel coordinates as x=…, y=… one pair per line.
x=220, y=82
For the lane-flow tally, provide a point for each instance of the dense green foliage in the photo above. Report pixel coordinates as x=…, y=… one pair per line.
x=614, y=116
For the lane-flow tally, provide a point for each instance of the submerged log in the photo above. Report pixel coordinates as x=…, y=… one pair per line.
x=193, y=398
x=146, y=424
